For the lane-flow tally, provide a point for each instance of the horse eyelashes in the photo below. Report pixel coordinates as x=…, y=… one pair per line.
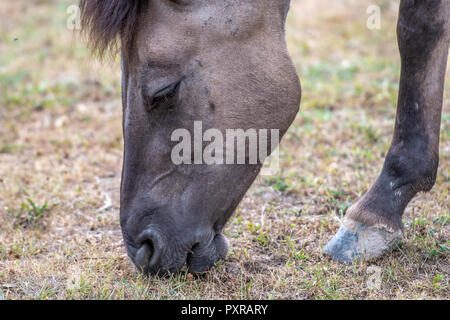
x=164, y=97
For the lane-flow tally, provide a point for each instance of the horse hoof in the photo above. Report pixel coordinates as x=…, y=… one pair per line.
x=355, y=240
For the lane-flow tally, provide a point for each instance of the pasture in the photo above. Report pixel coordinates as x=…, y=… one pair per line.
x=61, y=155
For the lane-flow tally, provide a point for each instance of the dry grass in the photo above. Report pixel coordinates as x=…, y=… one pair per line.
x=60, y=161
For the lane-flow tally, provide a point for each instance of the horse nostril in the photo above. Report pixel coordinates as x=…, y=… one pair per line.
x=151, y=246
x=143, y=256
x=204, y=255
x=190, y=253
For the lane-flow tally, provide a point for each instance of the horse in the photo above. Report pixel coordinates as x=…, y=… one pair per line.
x=224, y=64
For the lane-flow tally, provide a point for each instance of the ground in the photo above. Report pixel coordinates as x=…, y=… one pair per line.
x=61, y=152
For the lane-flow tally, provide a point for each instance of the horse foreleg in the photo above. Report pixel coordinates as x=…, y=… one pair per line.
x=373, y=225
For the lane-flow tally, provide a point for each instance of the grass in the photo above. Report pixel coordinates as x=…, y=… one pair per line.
x=29, y=213
x=61, y=153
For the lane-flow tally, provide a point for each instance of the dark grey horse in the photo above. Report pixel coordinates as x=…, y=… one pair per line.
x=225, y=63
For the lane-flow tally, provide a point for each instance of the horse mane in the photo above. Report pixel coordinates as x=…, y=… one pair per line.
x=108, y=23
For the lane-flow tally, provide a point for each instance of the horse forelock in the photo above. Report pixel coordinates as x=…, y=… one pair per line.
x=106, y=22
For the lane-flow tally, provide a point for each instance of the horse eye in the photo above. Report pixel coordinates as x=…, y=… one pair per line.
x=181, y=2
x=165, y=96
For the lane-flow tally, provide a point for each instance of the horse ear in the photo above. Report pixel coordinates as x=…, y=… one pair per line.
x=108, y=22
